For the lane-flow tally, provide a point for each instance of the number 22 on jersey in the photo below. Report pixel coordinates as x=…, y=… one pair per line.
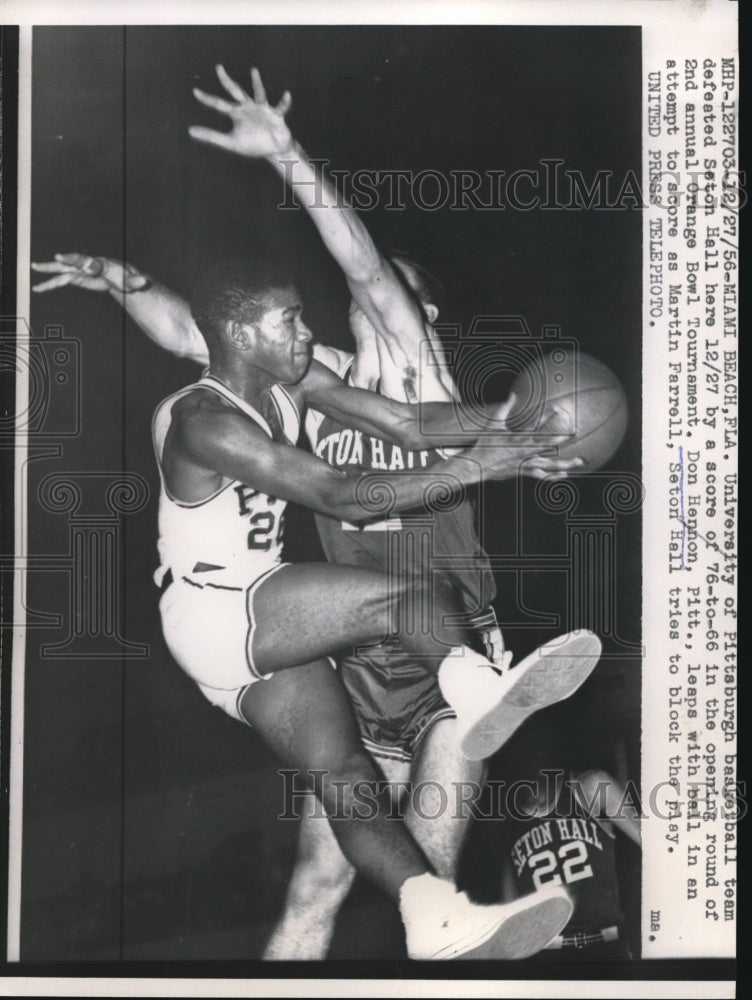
x=267, y=525
x=568, y=864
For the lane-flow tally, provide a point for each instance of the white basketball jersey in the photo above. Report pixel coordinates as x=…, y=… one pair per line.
x=238, y=530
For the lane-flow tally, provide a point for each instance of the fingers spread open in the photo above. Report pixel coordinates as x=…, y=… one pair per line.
x=546, y=440
x=285, y=104
x=231, y=86
x=547, y=474
x=76, y=259
x=52, y=267
x=555, y=464
x=221, y=139
x=217, y=103
x=503, y=409
x=57, y=282
x=259, y=93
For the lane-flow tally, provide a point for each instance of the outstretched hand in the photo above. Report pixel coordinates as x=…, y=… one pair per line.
x=258, y=129
x=505, y=453
x=96, y=274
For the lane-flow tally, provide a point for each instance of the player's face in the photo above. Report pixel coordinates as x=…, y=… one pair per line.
x=283, y=341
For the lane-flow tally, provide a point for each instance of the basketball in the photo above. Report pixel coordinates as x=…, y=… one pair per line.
x=590, y=396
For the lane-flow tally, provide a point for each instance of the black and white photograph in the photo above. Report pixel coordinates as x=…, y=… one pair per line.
x=332, y=592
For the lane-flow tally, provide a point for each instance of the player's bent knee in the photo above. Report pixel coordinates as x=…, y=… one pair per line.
x=348, y=781
x=323, y=881
x=356, y=765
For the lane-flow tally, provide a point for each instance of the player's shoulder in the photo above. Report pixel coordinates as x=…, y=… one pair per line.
x=200, y=415
x=319, y=376
x=198, y=401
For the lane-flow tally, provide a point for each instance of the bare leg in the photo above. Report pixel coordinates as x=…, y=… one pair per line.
x=435, y=815
x=310, y=610
x=322, y=876
x=303, y=612
x=321, y=879
x=303, y=713
x=305, y=717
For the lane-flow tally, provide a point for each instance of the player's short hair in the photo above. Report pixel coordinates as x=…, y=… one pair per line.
x=428, y=288
x=234, y=289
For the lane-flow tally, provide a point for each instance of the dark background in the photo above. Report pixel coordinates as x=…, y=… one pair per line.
x=149, y=827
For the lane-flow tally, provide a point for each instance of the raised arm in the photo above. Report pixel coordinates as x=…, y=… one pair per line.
x=415, y=372
x=260, y=131
x=162, y=314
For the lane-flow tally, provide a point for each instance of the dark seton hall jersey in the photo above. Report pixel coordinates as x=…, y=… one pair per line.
x=442, y=541
x=568, y=848
x=233, y=536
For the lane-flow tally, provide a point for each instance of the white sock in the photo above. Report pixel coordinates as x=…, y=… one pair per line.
x=462, y=658
x=456, y=673
x=421, y=894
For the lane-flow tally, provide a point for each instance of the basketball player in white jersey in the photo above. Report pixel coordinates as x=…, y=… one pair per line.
x=405, y=724
x=264, y=515
x=254, y=633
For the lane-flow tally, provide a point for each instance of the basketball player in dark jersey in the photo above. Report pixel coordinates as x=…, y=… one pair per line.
x=562, y=828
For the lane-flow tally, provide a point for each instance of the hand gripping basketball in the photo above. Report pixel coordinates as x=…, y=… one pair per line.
x=575, y=395
x=503, y=453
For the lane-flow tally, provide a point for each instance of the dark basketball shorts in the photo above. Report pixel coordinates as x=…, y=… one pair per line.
x=396, y=700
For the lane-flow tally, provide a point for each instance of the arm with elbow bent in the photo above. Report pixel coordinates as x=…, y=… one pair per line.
x=433, y=425
x=222, y=442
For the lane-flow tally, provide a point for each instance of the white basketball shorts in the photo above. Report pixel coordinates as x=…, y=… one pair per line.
x=209, y=632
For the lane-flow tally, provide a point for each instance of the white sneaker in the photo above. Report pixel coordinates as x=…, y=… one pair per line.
x=442, y=923
x=490, y=708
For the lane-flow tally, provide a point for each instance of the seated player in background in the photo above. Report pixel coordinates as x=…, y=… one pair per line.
x=562, y=825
